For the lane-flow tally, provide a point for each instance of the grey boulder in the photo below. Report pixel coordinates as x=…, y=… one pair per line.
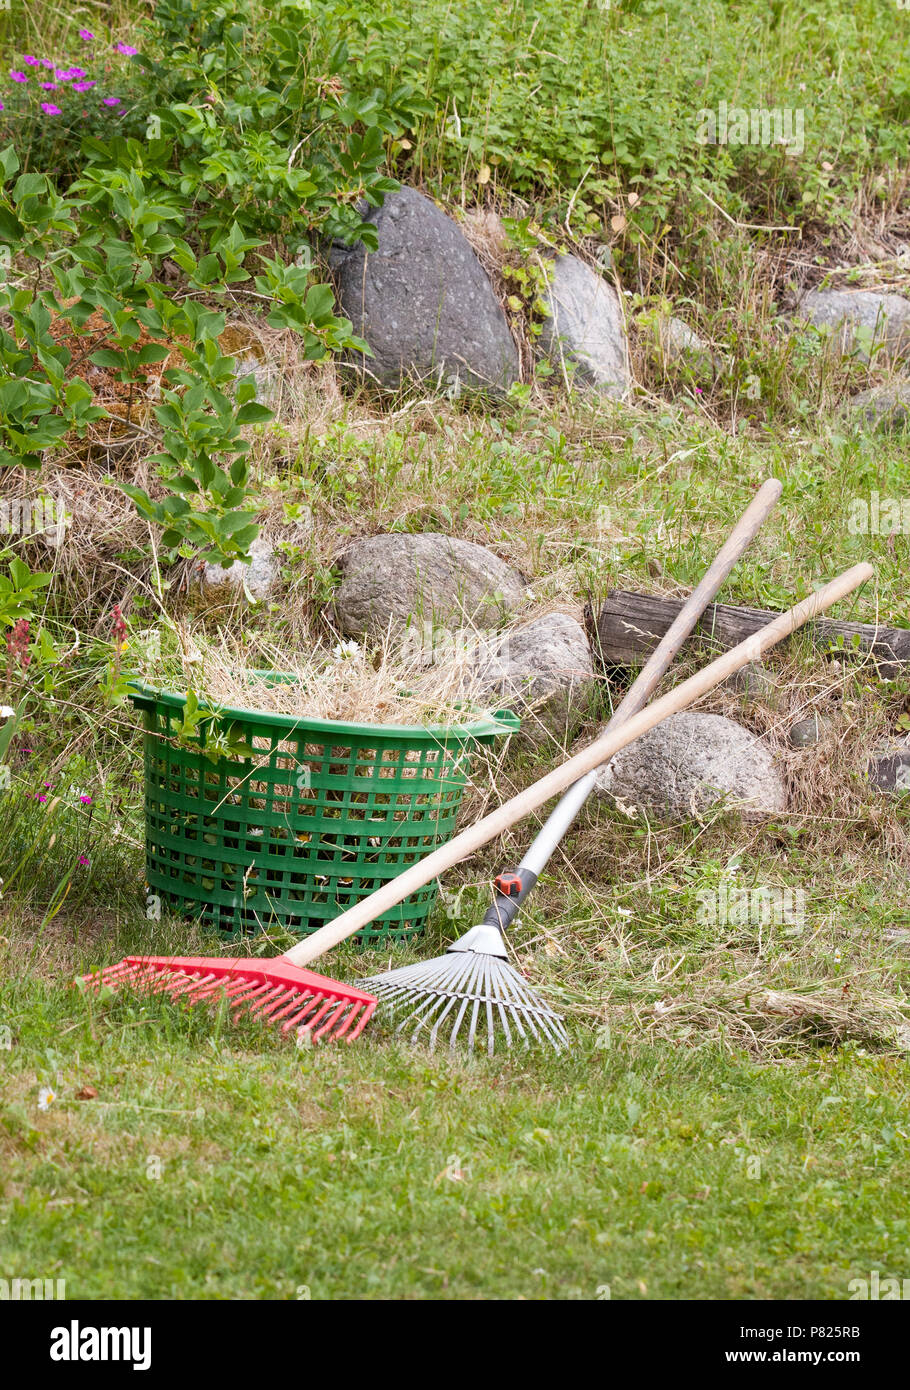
x=423, y=302
x=426, y=580
x=690, y=763
x=543, y=671
x=584, y=328
x=860, y=320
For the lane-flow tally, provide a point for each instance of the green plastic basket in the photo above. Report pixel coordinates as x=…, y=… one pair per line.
x=322, y=814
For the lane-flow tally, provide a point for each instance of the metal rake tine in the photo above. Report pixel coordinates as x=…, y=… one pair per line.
x=472, y=1026
x=477, y=978
x=427, y=1009
x=414, y=1022
x=455, y=988
x=411, y=978
x=461, y=1013
x=525, y=1002
x=504, y=1020
x=452, y=1003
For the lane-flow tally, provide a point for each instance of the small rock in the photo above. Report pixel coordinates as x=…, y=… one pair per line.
x=678, y=344
x=423, y=301
x=691, y=762
x=882, y=318
x=884, y=407
x=423, y=579
x=239, y=343
x=805, y=733
x=754, y=680
x=543, y=671
x=265, y=378
x=260, y=575
x=889, y=768
x=584, y=327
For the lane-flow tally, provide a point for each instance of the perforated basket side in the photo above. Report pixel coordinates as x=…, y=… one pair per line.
x=319, y=818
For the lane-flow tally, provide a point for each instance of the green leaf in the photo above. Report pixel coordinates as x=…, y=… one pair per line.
x=107, y=357
x=253, y=414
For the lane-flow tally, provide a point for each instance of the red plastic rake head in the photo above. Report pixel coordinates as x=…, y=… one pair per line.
x=272, y=990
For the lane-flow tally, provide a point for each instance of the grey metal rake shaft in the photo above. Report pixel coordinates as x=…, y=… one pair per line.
x=473, y=983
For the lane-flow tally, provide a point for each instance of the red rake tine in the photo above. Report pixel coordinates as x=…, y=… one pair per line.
x=270, y=1011
x=297, y=1020
x=352, y=1014
x=245, y=993
x=330, y=1026
x=192, y=989
x=273, y=991
x=366, y=1015
x=287, y=1008
x=272, y=996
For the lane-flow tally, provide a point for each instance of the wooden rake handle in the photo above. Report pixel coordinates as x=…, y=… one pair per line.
x=597, y=753
x=664, y=654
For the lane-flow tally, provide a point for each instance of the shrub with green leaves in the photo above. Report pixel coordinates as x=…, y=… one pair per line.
x=252, y=131
x=256, y=117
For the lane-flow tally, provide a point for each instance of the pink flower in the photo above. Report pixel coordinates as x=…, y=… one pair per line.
x=82, y=86
x=18, y=76
x=86, y=34
x=46, y=63
x=50, y=109
x=127, y=50
x=111, y=101
x=75, y=72
x=31, y=61
x=1, y=105
x=85, y=799
x=49, y=86
x=83, y=861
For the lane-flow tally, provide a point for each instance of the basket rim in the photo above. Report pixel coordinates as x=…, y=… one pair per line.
x=502, y=721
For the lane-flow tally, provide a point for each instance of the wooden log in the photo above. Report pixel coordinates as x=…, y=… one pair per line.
x=630, y=625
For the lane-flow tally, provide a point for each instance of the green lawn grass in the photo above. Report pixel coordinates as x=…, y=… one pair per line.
x=712, y=1153
x=212, y=1166
x=732, y=1120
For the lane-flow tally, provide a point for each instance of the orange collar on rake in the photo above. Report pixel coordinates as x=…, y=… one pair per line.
x=273, y=990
